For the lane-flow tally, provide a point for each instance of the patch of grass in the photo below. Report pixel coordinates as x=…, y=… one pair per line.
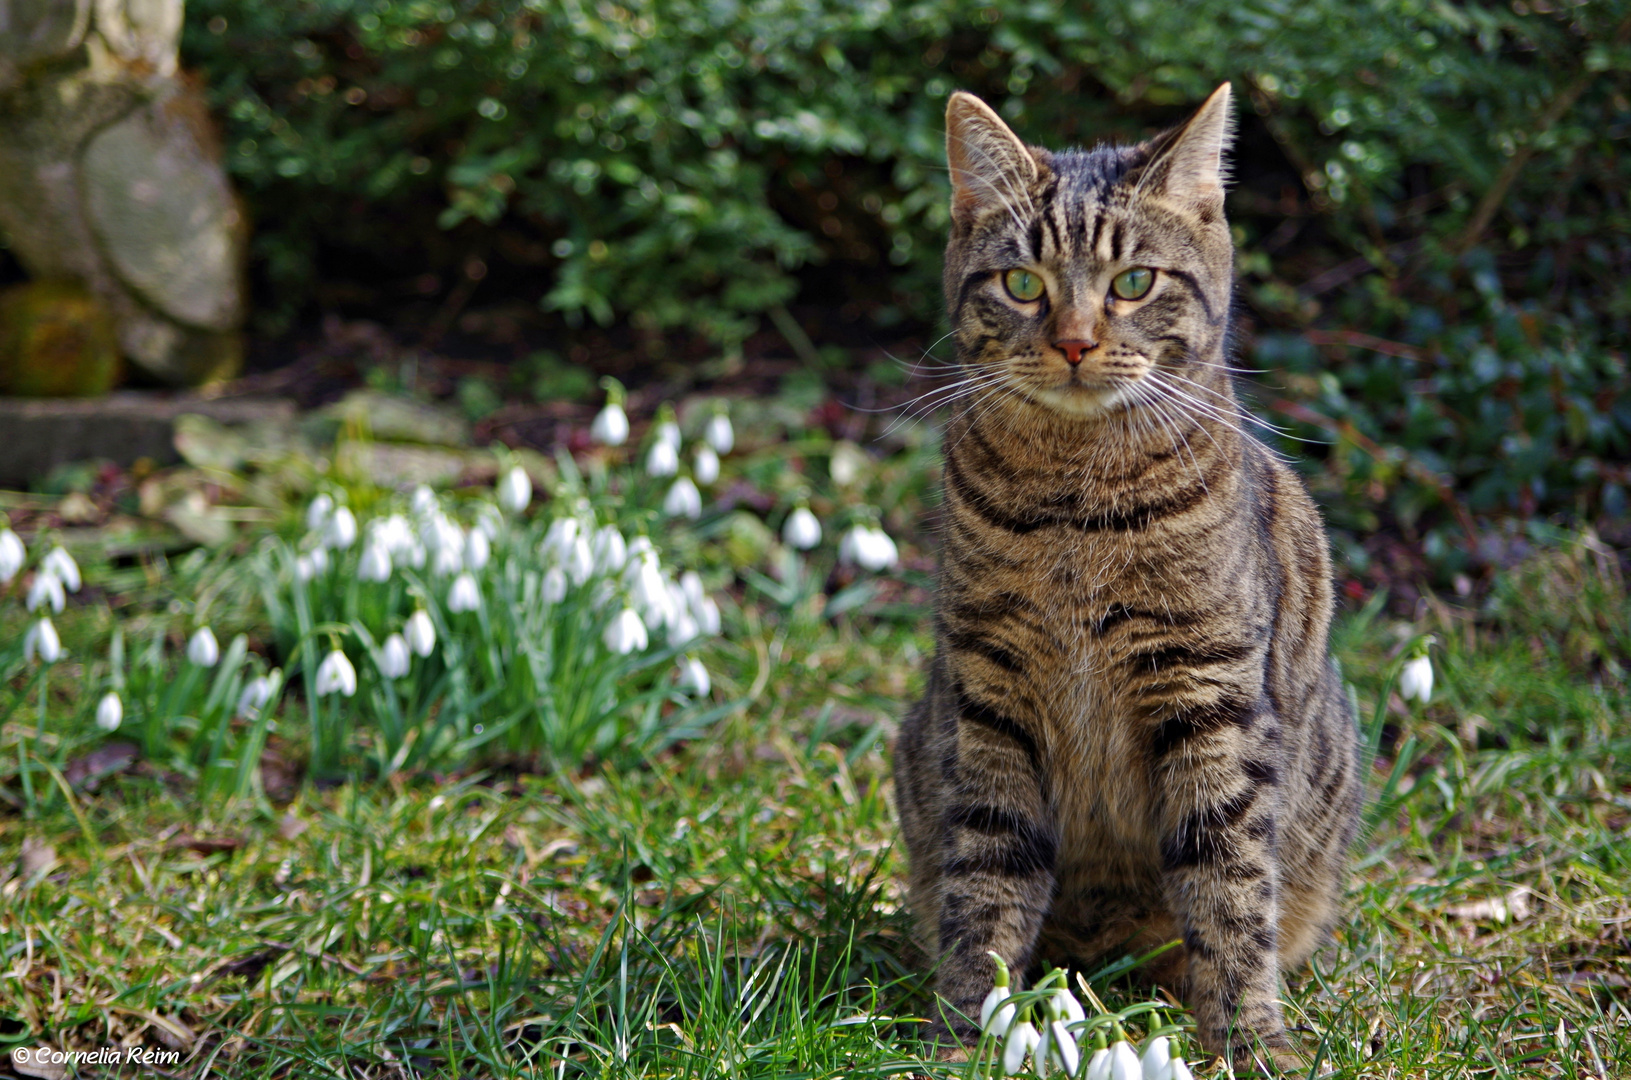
x=733, y=906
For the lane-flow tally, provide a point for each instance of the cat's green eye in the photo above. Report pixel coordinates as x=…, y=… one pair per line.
x=1133, y=284
x=1023, y=285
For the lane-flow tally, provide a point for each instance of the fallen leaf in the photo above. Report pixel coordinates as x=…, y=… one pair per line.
x=89, y=770
x=290, y=826
x=36, y=857
x=207, y=845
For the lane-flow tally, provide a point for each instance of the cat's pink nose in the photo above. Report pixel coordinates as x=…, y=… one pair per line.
x=1074, y=349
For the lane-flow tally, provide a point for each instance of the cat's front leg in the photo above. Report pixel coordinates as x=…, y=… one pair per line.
x=999, y=846
x=1219, y=766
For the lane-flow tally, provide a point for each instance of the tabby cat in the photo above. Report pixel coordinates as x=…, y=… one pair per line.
x=1132, y=732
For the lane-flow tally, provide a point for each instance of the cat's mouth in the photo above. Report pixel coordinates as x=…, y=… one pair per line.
x=1077, y=396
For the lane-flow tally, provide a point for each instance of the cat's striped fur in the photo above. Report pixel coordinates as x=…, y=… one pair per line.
x=1132, y=732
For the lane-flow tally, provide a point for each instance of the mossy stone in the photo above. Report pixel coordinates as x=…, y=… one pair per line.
x=56, y=340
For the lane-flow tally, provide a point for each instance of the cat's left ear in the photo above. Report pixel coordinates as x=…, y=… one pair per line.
x=1187, y=163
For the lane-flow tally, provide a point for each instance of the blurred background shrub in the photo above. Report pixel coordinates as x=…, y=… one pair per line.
x=1430, y=203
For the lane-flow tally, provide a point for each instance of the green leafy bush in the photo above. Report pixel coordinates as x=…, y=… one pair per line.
x=1440, y=187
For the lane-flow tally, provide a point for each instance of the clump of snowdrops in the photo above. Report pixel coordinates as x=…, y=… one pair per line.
x=195, y=710
x=1045, y=1031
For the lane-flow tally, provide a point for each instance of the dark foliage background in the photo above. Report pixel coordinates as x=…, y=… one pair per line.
x=1431, y=197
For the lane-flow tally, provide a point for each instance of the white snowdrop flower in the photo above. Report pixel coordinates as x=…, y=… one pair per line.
x=515, y=490
x=707, y=616
x=464, y=595
x=662, y=459
x=1124, y=1063
x=611, y=551
x=489, y=521
x=392, y=532
x=393, y=657
x=256, y=693
x=342, y=529
x=335, y=673
x=868, y=547
x=42, y=641
x=62, y=564
x=611, y=426
x=641, y=547
x=801, y=530
x=580, y=561
x=996, y=1014
x=554, y=586
x=1069, y=1008
x=110, y=712
x=650, y=596
x=449, y=557
x=423, y=500
x=202, y=648
x=691, y=585
x=719, y=434
x=558, y=538
x=477, y=550
x=12, y=555
x=1180, y=1070
x=846, y=463
x=1022, y=1040
x=1058, y=1048
x=683, y=500
x=682, y=629
x=1416, y=679
x=705, y=465
x=694, y=677
x=1098, y=1066
x=46, y=589
x=626, y=633
x=375, y=564
x=420, y=633
x=317, y=513
x=311, y=564
x=1156, y=1062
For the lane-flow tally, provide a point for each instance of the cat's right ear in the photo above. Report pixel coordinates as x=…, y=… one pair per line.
x=990, y=166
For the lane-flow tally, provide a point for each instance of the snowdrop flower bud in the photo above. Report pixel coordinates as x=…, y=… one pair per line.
x=626, y=633
x=705, y=465
x=707, y=616
x=47, y=589
x=515, y=490
x=464, y=595
x=62, y=564
x=311, y=564
x=1098, y=1066
x=423, y=500
x=662, y=459
x=448, y=559
x=683, y=500
x=490, y=521
x=420, y=633
x=42, y=639
x=375, y=564
x=1022, y=1040
x=12, y=555
x=694, y=677
x=254, y=697
x=650, y=594
x=801, y=530
x=611, y=426
x=317, y=513
x=341, y=530
x=611, y=551
x=558, y=538
x=554, y=587
x=580, y=561
x=335, y=673
x=110, y=712
x=1416, y=679
x=202, y=648
x=477, y=549
x=393, y=657
x=1156, y=1064
x=719, y=434
x=996, y=1017
x=667, y=430
x=682, y=628
x=1124, y=1063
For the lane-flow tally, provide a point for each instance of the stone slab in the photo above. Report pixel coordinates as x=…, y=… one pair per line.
x=38, y=434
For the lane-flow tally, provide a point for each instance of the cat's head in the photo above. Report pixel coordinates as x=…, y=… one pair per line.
x=1088, y=281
